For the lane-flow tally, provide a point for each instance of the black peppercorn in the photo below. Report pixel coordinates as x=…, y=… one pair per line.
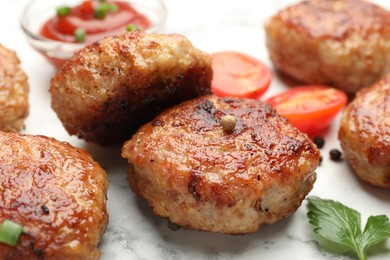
x=228, y=123
x=319, y=141
x=45, y=209
x=172, y=226
x=335, y=155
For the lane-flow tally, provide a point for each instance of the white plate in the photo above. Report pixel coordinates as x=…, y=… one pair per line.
x=133, y=231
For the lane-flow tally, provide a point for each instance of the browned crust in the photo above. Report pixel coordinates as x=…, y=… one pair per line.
x=343, y=43
x=364, y=133
x=110, y=88
x=335, y=19
x=57, y=193
x=14, y=107
x=201, y=177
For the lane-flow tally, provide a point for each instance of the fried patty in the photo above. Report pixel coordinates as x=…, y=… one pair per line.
x=343, y=43
x=200, y=176
x=14, y=89
x=57, y=193
x=364, y=133
x=111, y=87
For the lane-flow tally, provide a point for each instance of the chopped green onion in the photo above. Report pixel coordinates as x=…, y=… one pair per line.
x=101, y=11
x=10, y=232
x=80, y=34
x=132, y=27
x=113, y=7
x=63, y=10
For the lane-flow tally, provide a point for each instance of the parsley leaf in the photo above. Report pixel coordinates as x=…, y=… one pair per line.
x=341, y=225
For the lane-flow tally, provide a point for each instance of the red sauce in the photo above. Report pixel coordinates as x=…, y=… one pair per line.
x=61, y=28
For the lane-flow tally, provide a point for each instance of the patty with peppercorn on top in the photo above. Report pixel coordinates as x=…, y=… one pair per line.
x=221, y=164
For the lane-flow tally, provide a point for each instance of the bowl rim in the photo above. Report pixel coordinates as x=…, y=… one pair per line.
x=37, y=37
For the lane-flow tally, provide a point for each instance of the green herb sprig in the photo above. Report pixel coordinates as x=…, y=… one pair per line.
x=341, y=226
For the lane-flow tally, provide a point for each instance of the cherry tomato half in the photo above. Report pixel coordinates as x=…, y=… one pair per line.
x=309, y=108
x=239, y=75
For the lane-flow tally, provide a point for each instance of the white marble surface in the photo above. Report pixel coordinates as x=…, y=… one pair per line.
x=133, y=231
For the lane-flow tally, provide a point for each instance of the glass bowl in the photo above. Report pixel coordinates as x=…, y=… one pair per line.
x=37, y=12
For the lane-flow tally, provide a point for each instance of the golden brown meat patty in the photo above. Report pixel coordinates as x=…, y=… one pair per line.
x=57, y=193
x=364, y=133
x=221, y=164
x=108, y=89
x=13, y=92
x=344, y=43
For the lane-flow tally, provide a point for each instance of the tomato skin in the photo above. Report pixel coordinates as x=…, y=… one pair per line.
x=62, y=28
x=309, y=108
x=239, y=75
x=87, y=7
